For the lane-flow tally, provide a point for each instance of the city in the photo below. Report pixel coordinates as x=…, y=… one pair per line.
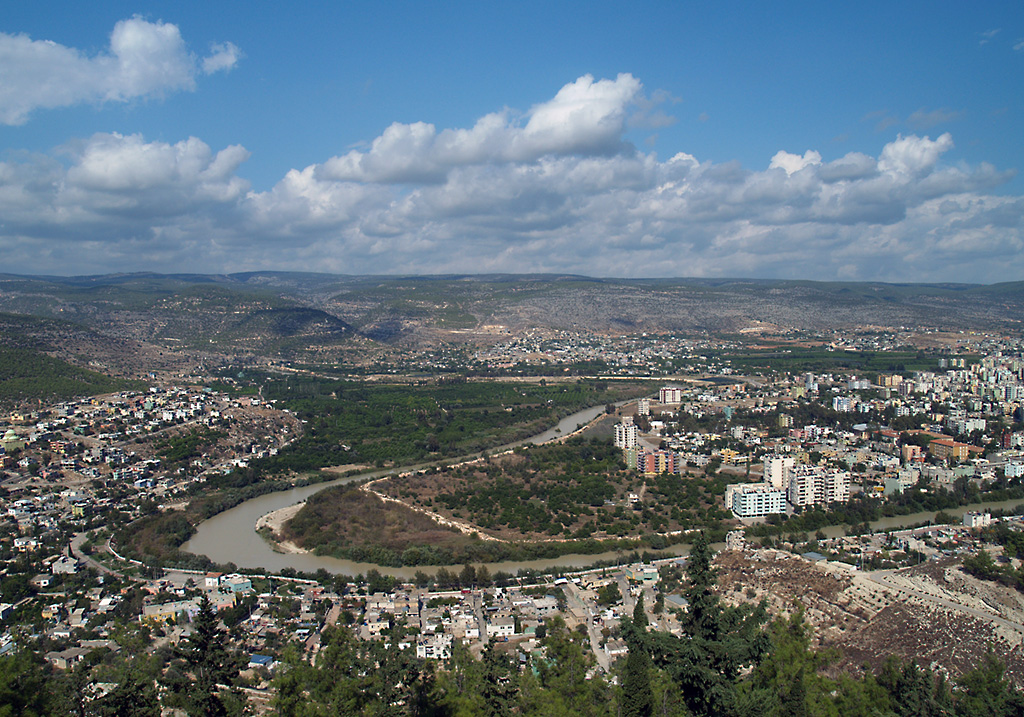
x=512, y=359
x=74, y=470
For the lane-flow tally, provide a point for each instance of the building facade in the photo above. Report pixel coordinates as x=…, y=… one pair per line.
x=814, y=485
x=754, y=500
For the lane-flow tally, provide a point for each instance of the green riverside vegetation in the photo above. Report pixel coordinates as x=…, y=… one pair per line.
x=371, y=424
x=539, y=502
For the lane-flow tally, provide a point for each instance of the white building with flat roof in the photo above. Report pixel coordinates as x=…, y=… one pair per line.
x=754, y=500
x=977, y=520
x=670, y=394
x=626, y=433
x=814, y=485
x=775, y=468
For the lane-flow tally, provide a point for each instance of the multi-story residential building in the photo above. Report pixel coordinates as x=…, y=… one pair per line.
x=753, y=500
x=814, y=485
x=943, y=448
x=670, y=394
x=626, y=433
x=775, y=468
x=656, y=462
x=977, y=520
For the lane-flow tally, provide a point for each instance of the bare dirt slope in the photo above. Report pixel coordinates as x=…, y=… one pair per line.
x=933, y=613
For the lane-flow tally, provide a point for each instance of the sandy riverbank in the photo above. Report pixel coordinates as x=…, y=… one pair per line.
x=344, y=469
x=275, y=521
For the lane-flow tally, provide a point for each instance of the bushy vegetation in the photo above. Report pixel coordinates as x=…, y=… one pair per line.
x=982, y=565
x=809, y=359
x=579, y=490
x=348, y=523
x=177, y=450
x=352, y=422
x=540, y=501
x=30, y=375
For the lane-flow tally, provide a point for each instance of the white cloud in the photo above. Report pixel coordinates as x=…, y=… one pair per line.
x=988, y=35
x=913, y=154
x=225, y=56
x=144, y=59
x=586, y=117
x=514, y=194
x=794, y=162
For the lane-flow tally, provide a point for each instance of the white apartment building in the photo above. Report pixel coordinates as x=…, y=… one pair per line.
x=814, y=485
x=670, y=394
x=977, y=520
x=775, y=468
x=754, y=500
x=626, y=433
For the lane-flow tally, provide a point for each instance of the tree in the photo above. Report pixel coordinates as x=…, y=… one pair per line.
x=985, y=691
x=23, y=685
x=483, y=577
x=499, y=682
x=209, y=662
x=563, y=676
x=786, y=683
x=913, y=690
x=718, y=642
x=134, y=696
x=637, y=698
x=609, y=595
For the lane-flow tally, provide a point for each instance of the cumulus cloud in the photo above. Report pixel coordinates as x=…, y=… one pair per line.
x=913, y=154
x=144, y=59
x=224, y=57
x=586, y=117
x=794, y=162
x=554, y=189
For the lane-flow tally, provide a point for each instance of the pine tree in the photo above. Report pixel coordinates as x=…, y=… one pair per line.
x=702, y=619
x=499, y=687
x=718, y=642
x=209, y=662
x=637, y=697
x=134, y=696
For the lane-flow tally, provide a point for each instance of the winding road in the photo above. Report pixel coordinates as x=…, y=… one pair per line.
x=76, y=551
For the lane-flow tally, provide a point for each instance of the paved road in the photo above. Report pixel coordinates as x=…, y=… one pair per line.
x=884, y=577
x=576, y=604
x=628, y=601
x=76, y=550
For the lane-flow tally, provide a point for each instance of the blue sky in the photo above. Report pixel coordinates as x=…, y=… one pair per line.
x=867, y=141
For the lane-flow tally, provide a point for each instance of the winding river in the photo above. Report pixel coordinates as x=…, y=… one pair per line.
x=230, y=537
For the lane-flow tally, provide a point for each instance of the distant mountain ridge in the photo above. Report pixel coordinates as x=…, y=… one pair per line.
x=279, y=311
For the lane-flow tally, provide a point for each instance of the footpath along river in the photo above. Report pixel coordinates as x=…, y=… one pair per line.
x=230, y=537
